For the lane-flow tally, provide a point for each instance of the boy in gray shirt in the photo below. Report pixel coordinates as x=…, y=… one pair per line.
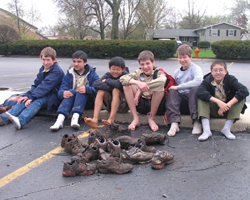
x=182, y=97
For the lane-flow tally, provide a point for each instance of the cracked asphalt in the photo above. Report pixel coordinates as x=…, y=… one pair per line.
x=214, y=169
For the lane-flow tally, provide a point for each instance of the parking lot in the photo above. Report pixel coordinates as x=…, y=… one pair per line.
x=32, y=159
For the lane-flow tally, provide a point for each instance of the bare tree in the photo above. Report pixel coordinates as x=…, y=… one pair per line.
x=8, y=34
x=154, y=14
x=130, y=20
x=114, y=5
x=101, y=12
x=24, y=28
x=193, y=18
x=239, y=12
x=76, y=18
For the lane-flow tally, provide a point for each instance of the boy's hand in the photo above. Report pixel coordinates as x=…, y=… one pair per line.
x=104, y=80
x=220, y=112
x=173, y=87
x=81, y=89
x=223, y=105
x=143, y=86
x=67, y=94
x=28, y=102
x=137, y=97
x=22, y=99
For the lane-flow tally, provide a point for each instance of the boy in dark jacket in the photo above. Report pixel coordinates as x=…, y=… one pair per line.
x=220, y=95
x=42, y=95
x=76, y=90
x=110, y=92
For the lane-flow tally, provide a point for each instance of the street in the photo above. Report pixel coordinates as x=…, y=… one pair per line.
x=32, y=159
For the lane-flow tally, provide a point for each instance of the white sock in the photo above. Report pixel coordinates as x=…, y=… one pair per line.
x=226, y=129
x=173, y=129
x=196, y=128
x=74, y=121
x=59, y=122
x=206, y=129
x=14, y=120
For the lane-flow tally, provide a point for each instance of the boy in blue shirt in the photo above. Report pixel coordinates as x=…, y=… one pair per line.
x=76, y=91
x=42, y=95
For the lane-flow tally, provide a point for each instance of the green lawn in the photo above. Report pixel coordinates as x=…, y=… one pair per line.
x=204, y=53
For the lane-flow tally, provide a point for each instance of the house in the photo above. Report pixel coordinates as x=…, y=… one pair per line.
x=245, y=36
x=27, y=30
x=210, y=33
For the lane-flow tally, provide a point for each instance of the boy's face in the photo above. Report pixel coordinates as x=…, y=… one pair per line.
x=47, y=62
x=116, y=71
x=185, y=61
x=147, y=66
x=218, y=72
x=79, y=65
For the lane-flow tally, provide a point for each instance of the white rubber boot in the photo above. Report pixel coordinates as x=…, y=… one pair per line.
x=74, y=121
x=59, y=123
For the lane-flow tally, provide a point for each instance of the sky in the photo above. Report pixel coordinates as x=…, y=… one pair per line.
x=49, y=11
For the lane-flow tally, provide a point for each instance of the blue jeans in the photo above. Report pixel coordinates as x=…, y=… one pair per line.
x=25, y=114
x=77, y=104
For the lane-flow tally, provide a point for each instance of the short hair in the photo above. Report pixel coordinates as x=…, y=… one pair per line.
x=80, y=54
x=218, y=62
x=117, y=61
x=145, y=55
x=48, y=52
x=184, y=50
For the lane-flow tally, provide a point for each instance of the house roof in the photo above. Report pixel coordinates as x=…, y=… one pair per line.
x=209, y=26
x=172, y=32
x=12, y=15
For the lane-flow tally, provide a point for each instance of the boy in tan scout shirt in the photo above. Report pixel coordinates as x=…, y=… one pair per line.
x=149, y=98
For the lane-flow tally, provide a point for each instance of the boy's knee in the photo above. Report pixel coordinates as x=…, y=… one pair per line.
x=116, y=91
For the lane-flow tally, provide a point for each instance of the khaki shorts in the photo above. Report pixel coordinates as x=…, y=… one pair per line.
x=123, y=108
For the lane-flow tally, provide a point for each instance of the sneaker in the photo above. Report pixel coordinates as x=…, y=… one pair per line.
x=101, y=142
x=135, y=155
x=1, y=122
x=14, y=120
x=154, y=138
x=116, y=130
x=161, y=158
x=66, y=136
x=103, y=155
x=141, y=144
x=114, y=148
x=77, y=168
x=91, y=153
x=113, y=165
x=73, y=146
x=93, y=136
x=127, y=141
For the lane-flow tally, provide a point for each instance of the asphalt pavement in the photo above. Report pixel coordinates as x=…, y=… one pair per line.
x=32, y=159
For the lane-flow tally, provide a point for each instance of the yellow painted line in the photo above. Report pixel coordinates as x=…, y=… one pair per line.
x=230, y=64
x=21, y=171
x=15, y=74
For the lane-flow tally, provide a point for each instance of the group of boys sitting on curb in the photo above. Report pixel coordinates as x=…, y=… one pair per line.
x=219, y=94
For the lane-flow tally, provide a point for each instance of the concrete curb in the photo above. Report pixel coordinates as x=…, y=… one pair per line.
x=242, y=125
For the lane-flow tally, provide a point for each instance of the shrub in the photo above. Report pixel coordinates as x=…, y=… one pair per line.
x=8, y=34
x=232, y=49
x=203, y=44
x=93, y=48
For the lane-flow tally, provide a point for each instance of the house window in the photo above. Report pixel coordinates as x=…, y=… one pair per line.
x=202, y=32
x=231, y=32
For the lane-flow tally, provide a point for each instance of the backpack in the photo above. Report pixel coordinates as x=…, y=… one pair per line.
x=170, y=80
